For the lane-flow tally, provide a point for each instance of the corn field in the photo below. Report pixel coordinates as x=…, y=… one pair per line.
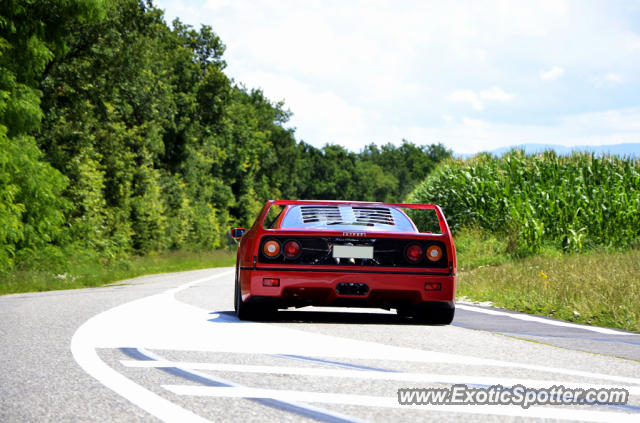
x=573, y=202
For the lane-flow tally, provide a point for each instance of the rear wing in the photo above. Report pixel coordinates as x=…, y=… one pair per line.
x=444, y=227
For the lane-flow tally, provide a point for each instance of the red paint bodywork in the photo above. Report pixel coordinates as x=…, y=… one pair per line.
x=316, y=284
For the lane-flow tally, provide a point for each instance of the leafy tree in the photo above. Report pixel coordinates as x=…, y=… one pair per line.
x=120, y=134
x=408, y=163
x=31, y=207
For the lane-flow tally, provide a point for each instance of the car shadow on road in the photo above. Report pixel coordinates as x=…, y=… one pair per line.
x=312, y=316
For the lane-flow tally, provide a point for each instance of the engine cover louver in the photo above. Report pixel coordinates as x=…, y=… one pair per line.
x=358, y=215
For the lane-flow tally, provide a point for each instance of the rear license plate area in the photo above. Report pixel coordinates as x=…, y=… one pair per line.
x=352, y=288
x=353, y=251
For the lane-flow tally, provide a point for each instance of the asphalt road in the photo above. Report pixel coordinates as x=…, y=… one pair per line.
x=168, y=347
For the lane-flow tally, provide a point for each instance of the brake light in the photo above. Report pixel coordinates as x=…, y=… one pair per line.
x=292, y=249
x=434, y=253
x=414, y=253
x=270, y=282
x=271, y=249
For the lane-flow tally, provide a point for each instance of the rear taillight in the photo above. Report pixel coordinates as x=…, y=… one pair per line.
x=270, y=282
x=413, y=253
x=271, y=249
x=291, y=249
x=434, y=253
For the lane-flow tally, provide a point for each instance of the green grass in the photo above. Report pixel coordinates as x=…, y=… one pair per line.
x=476, y=248
x=599, y=287
x=81, y=271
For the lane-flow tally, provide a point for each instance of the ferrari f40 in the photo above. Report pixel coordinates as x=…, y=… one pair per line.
x=347, y=254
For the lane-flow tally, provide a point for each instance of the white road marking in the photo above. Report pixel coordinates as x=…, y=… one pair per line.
x=259, y=338
x=536, y=319
x=160, y=322
x=392, y=402
x=83, y=347
x=373, y=375
x=312, y=411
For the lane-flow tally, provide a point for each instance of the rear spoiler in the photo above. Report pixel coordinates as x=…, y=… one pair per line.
x=441, y=219
x=347, y=203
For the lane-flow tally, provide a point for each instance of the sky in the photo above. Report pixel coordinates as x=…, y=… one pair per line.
x=472, y=75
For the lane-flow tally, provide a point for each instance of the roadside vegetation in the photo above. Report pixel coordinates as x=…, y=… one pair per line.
x=572, y=203
x=83, y=271
x=600, y=286
x=122, y=136
x=546, y=234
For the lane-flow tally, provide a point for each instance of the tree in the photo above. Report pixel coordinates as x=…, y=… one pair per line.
x=31, y=207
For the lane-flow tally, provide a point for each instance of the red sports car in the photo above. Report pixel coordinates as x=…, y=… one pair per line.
x=347, y=253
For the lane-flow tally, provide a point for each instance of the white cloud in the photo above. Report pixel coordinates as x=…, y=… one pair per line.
x=613, y=78
x=217, y=4
x=447, y=118
x=610, y=79
x=378, y=71
x=552, y=74
x=473, y=135
x=321, y=116
x=496, y=94
x=619, y=121
x=477, y=101
x=632, y=42
x=475, y=124
x=466, y=96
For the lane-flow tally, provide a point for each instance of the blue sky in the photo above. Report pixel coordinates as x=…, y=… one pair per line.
x=474, y=75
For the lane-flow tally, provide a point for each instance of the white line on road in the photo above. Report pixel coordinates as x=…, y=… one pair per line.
x=301, y=409
x=392, y=402
x=373, y=375
x=161, y=322
x=536, y=319
x=83, y=347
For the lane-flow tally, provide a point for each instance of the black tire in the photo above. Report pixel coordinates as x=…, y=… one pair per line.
x=244, y=311
x=404, y=312
x=432, y=313
x=247, y=311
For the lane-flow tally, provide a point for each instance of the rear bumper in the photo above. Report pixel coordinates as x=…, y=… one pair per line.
x=319, y=287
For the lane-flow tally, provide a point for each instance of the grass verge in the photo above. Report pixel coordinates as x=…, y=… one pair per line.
x=81, y=271
x=598, y=287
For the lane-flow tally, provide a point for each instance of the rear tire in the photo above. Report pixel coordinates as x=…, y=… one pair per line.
x=404, y=312
x=247, y=311
x=431, y=313
x=243, y=310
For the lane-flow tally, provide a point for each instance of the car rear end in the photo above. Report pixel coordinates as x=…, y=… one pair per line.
x=349, y=254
